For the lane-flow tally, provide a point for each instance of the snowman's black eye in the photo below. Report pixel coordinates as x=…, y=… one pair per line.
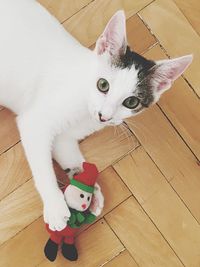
x=88, y=198
x=81, y=195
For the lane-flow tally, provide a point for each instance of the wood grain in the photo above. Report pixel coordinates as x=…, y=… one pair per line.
x=182, y=40
x=170, y=154
x=177, y=225
x=140, y=236
x=181, y=106
x=26, y=248
x=142, y=183
x=123, y=259
x=18, y=210
x=63, y=9
x=107, y=179
x=93, y=18
x=191, y=10
x=139, y=37
x=106, y=146
x=9, y=135
x=14, y=170
x=162, y=205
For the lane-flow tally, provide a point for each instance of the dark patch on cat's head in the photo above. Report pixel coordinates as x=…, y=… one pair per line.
x=145, y=68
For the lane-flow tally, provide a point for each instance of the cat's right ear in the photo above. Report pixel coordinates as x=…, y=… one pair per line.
x=113, y=39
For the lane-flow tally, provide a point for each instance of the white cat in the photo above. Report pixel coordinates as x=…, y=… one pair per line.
x=62, y=91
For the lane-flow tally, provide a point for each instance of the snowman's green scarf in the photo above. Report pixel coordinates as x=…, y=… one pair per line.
x=78, y=218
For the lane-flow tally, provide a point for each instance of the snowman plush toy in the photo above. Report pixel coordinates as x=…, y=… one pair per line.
x=85, y=201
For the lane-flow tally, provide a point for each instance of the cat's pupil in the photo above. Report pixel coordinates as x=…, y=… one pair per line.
x=103, y=84
x=131, y=102
x=88, y=198
x=81, y=195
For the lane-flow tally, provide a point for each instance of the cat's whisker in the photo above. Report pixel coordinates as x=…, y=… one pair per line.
x=124, y=124
x=137, y=126
x=129, y=137
x=119, y=134
x=115, y=131
x=141, y=129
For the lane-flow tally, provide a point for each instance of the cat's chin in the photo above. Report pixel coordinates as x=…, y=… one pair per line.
x=115, y=123
x=109, y=123
x=112, y=123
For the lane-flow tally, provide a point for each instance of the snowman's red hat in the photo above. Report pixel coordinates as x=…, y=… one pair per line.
x=86, y=179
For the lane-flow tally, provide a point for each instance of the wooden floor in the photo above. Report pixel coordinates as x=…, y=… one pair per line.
x=150, y=173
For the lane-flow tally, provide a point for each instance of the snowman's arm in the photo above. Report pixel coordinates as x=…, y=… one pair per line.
x=97, y=201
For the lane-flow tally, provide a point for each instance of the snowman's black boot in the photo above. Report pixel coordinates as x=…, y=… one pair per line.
x=69, y=251
x=51, y=250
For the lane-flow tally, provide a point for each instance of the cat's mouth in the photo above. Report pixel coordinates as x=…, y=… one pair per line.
x=102, y=118
x=106, y=122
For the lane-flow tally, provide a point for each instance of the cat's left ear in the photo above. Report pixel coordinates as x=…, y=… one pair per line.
x=113, y=39
x=165, y=72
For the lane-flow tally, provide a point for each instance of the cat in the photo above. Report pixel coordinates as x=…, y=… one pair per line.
x=62, y=92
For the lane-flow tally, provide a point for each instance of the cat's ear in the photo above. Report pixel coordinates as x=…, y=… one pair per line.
x=165, y=72
x=113, y=39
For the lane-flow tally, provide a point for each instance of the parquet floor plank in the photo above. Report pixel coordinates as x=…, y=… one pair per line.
x=140, y=237
x=162, y=205
x=181, y=106
x=171, y=155
x=139, y=37
x=18, y=210
x=123, y=259
x=191, y=10
x=175, y=34
x=14, y=170
x=64, y=9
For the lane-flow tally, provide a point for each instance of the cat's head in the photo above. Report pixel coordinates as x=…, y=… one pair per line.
x=127, y=83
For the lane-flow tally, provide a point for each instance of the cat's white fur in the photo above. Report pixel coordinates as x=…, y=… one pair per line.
x=49, y=80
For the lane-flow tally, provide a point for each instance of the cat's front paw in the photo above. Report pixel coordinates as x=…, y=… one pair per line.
x=56, y=213
x=73, y=171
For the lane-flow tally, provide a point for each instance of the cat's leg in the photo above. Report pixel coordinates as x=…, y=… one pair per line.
x=37, y=136
x=67, y=153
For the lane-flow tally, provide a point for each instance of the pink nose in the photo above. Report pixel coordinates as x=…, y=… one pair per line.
x=83, y=206
x=102, y=119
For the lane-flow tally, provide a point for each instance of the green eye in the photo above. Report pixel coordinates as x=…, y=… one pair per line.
x=103, y=85
x=131, y=102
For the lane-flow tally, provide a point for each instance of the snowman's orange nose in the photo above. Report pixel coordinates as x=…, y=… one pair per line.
x=83, y=206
